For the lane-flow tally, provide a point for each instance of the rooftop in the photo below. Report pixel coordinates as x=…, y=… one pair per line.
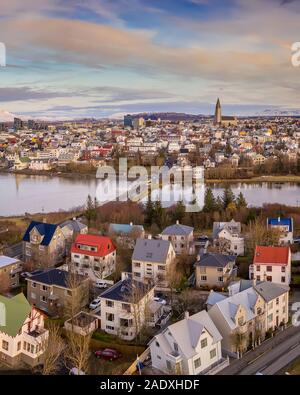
x=271, y=255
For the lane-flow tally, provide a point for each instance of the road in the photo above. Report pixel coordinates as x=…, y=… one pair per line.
x=270, y=357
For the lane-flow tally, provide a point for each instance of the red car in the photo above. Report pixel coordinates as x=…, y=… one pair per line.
x=108, y=353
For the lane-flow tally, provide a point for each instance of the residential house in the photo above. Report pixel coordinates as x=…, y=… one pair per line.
x=152, y=260
x=10, y=269
x=43, y=244
x=285, y=227
x=72, y=228
x=126, y=233
x=128, y=306
x=191, y=346
x=227, y=235
x=240, y=319
x=214, y=270
x=53, y=290
x=181, y=237
x=271, y=264
x=93, y=256
x=22, y=332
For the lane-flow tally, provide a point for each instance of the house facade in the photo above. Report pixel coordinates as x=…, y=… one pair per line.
x=10, y=269
x=228, y=236
x=22, y=333
x=271, y=264
x=43, y=244
x=214, y=270
x=127, y=307
x=285, y=227
x=53, y=290
x=191, y=346
x=93, y=256
x=151, y=261
x=181, y=237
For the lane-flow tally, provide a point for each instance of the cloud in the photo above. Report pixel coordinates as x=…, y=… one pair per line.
x=9, y=94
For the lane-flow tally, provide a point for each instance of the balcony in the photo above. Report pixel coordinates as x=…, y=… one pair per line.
x=36, y=335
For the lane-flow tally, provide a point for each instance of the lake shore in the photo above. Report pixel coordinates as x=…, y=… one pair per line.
x=258, y=179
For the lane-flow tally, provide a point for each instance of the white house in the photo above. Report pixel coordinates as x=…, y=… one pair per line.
x=181, y=237
x=128, y=306
x=191, y=346
x=271, y=264
x=230, y=232
x=151, y=260
x=22, y=333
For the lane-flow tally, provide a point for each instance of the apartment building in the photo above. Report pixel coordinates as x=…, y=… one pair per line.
x=93, y=256
x=10, y=269
x=181, y=237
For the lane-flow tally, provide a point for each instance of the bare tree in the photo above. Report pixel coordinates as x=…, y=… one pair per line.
x=77, y=352
x=260, y=234
x=53, y=347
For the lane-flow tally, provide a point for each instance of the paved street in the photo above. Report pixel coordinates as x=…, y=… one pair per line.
x=271, y=356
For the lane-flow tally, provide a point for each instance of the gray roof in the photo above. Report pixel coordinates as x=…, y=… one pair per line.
x=127, y=290
x=232, y=227
x=6, y=260
x=214, y=297
x=151, y=250
x=187, y=332
x=215, y=260
x=74, y=225
x=177, y=229
x=270, y=291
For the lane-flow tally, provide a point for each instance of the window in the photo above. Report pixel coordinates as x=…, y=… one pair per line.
x=176, y=347
x=283, y=279
x=126, y=307
x=109, y=303
x=19, y=346
x=169, y=365
x=203, y=343
x=110, y=317
x=220, y=269
x=283, y=269
x=110, y=328
x=220, y=279
x=258, y=311
x=269, y=268
x=257, y=278
x=241, y=321
x=203, y=278
x=197, y=363
x=277, y=301
x=32, y=348
x=136, y=274
x=137, y=264
x=33, y=285
x=44, y=288
x=269, y=278
x=157, y=344
x=270, y=317
x=258, y=268
x=160, y=267
x=5, y=345
x=213, y=353
x=43, y=299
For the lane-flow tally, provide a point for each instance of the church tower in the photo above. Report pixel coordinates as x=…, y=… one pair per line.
x=218, y=113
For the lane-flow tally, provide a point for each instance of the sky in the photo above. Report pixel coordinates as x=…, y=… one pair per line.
x=69, y=59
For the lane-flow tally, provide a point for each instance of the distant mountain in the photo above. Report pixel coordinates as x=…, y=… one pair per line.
x=170, y=116
x=281, y=113
x=6, y=116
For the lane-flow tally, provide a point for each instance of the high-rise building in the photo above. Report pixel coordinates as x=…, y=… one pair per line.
x=31, y=124
x=128, y=121
x=218, y=113
x=18, y=124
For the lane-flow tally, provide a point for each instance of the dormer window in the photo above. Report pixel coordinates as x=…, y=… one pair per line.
x=241, y=321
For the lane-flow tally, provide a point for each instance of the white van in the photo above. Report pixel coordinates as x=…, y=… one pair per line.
x=101, y=284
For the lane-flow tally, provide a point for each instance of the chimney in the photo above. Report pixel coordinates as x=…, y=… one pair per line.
x=186, y=315
x=177, y=222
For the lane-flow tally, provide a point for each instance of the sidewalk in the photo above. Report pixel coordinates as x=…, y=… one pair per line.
x=239, y=364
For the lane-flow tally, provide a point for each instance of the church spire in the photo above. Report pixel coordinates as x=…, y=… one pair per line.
x=218, y=113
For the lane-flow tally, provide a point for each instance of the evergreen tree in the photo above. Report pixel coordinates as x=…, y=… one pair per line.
x=90, y=211
x=228, y=197
x=158, y=213
x=179, y=212
x=241, y=201
x=149, y=212
x=209, y=201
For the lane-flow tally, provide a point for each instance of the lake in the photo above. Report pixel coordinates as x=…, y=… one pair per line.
x=23, y=193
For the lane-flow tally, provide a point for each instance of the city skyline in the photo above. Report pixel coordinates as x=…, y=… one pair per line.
x=104, y=59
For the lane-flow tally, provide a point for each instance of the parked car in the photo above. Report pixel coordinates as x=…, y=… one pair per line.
x=101, y=284
x=95, y=304
x=160, y=300
x=109, y=354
